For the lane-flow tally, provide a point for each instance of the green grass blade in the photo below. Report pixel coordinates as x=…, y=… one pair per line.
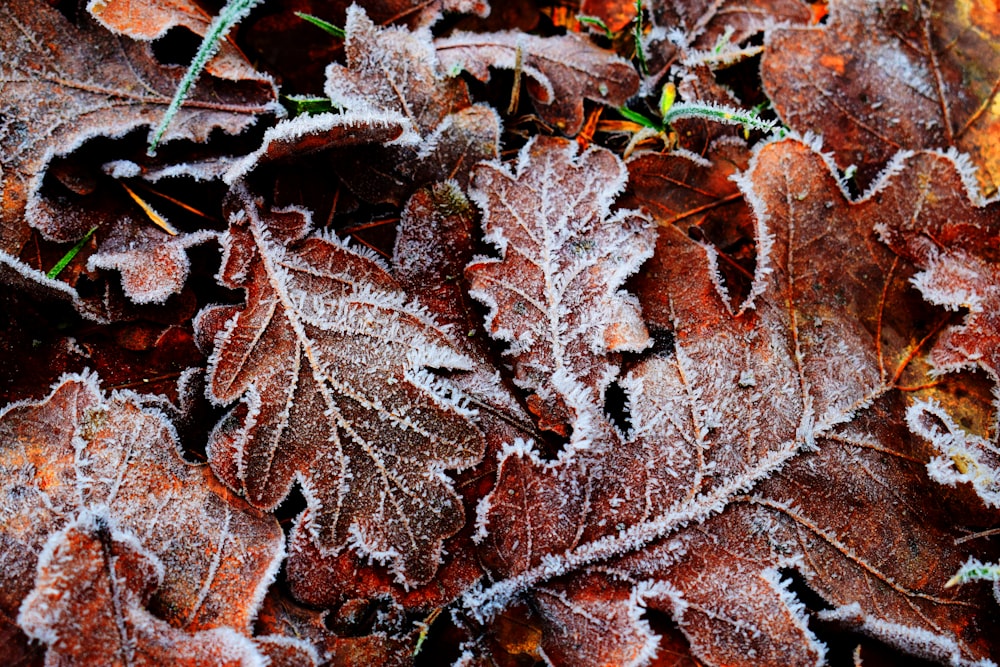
x=323, y=25
x=234, y=12
x=68, y=257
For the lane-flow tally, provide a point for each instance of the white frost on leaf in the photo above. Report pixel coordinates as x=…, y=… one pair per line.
x=963, y=457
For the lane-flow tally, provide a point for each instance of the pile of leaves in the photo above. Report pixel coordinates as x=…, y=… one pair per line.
x=597, y=333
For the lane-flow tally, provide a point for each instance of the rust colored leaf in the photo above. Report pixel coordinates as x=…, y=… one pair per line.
x=331, y=364
x=54, y=99
x=882, y=76
x=554, y=295
x=153, y=265
x=79, y=450
x=751, y=412
x=562, y=71
x=956, y=244
x=393, y=70
x=698, y=195
x=89, y=599
x=151, y=19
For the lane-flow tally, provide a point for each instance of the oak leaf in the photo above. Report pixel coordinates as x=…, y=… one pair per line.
x=881, y=77
x=78, y=450
x=562, y=71
x=554, y=295
x=152, y=19
x=88, y=605
x=54, y=100
x=791, y=396
x=331, y=363
x=393, y=70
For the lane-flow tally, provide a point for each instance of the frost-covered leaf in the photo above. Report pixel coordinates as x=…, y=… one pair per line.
x=881, y=76
x=393, y=70
x=562, y=71
x=88, y=605
x=153, y=264
x=698, y=195
x=54, y=98
x=752, y=411
x=77, y=450
x=334, y=368
x=956, y=243
x=555, y=294
x=151, y=19
x=308, y=134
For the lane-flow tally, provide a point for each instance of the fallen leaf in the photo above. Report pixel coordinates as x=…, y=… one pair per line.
x=153, y=265
x=88, y=605
x=562, y=71
x=394, y=70
x=554, y=295
x=331, y=364
x=887, y=76
x=152, y=19
x=54, y=100
x=78, y=450
x=700, y=506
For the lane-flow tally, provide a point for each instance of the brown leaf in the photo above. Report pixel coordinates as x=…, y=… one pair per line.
x=332, y=363
x=78, y=450
x=153, y=264
x=699, y=196
x=88, y=605
x=554, y=296
x=391, y=70
x=562, y=71
x=54, y=99
x=791, y=397
x=151, y=19
x=956, y=244
x=881, y=77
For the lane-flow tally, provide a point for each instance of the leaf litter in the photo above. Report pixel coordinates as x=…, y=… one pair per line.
x=572, y=400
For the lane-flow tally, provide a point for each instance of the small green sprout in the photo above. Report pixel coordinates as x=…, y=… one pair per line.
x=307, y=105
x=323, y=25
x=671, y=110
x=597, y=23
x=637, y=34
x=68, y=257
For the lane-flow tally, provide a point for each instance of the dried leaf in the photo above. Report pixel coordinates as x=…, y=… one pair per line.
x=792, y=396
x=151, y=19
x=884, y=76
x=332, y=364
x=554, y=296
x=391, y=70
x=88, y=605
x=78, y=450
x=956, y=243
x=54, y=99
x=562, y=71
x=153, y=265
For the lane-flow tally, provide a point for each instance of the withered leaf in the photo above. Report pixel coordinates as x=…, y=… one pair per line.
x=554, y=295
x=54, y=99
x=88, y=605
x=562, y=71
x=151, y=19
x=332, y=364
x=78, y=450
x=790, y=397
x=397, y=71
x=956, y=244
x=153, y=265
x=883, y=76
